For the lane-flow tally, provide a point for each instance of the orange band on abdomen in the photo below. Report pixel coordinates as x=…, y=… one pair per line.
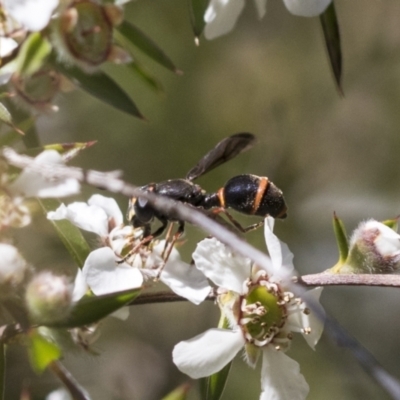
x=221, y=197
x=262, y=187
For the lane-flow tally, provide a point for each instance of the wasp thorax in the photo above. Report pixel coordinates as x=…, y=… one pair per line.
x=84, y=33
x=263, y=313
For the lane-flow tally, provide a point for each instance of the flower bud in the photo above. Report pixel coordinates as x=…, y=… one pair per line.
x=374, y=249
x=48, y=298
x=37, y=90
x=83, y=34
x=12, y=267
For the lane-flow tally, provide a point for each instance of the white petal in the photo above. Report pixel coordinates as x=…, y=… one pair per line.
x=12, y=265
x=104, y=275
x=32, y=14
x=314, y=322
x=307, y=8
x=221, y=16
x=109, y=205
x=219, y=264
x=208, y=352
x=281, y=256
x=31, y=184
x=186, y=281
x=80, y=286
x=90, y=218
x=281, y=378
x=261, y=6
x=7, y=45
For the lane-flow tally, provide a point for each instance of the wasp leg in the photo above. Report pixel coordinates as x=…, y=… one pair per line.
x=167, y=239
x=165, y=256
x=236, y=223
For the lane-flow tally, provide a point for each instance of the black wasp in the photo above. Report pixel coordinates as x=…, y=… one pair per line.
x=248, y=194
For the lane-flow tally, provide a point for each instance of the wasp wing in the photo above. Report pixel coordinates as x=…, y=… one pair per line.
x=226, y=149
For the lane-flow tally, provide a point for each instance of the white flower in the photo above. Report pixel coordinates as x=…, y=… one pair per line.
x=12, y=265
x=34, y=15
x=262, y=316
x=100, y=215
x=221, y=15
x=32, y=184
x=103, y=270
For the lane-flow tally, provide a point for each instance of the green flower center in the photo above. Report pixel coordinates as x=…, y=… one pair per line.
x=262, y=314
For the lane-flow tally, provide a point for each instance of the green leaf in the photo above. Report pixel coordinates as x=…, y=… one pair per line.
x=330, y=28
x=100, y=86
x=69, y=234
x=5, y=116
x=136, y=37
x=180, y=393
x=197, y=9
x=69, y=150
x=341, y=238
x=214, y=385
x=2, y=369
x=14, y=135
x=41, y=351
x=145, y=76
x=33, y=54
x=91, y=309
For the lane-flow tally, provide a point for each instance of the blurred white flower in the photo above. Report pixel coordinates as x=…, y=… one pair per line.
x=12, y=265
x=59, y=394
x=32, y=184
x=221, y=15
x=262, y=316
x=34, y=15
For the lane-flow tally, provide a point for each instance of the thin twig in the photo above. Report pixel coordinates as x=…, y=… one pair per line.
x=327, y=279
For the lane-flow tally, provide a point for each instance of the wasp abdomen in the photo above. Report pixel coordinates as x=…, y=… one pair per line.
x=251, y=194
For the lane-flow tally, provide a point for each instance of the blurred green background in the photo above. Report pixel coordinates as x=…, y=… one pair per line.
x=326, y=153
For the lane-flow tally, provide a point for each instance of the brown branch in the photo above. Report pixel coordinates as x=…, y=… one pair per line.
x=327, y=279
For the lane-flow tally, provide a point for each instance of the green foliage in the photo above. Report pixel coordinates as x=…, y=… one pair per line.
x=33, y=54
x=139, y=39
x=41, y=351
x=101, y=86
x=91, y=309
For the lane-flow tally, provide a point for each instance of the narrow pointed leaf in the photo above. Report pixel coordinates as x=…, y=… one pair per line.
x=91, y=309
x=197, y=9
x=341, y=238
x=41, y=351
x=2, y=369
x=33, y=54
x=69, y=234
x=180, y=393
x=14, y=135
x=214, y=385
x=68, y=150
x=101, y=86
x=145, y=76
x=139, y=39
x=5, y=116
x=331, y=31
